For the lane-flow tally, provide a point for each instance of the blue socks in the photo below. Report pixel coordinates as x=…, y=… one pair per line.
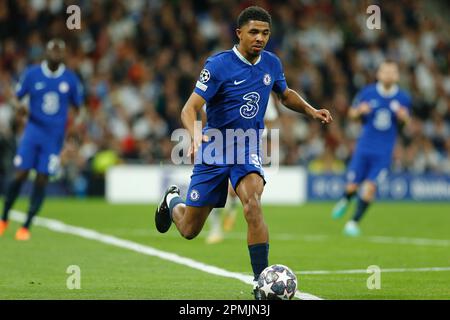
x=173, y=202
x=11, y=196
x=37, y=198
x=259, y=257
x=361, y=208
x=349, y=195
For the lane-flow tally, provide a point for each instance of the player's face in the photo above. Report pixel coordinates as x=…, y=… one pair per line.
x=55, y=55
x=388, y=74
x=253, y=37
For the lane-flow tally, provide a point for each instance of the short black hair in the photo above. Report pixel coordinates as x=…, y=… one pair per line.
x=388, y=61
x=253, y=13
x=56, y=42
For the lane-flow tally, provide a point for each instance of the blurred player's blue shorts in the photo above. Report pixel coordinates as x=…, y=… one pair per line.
x=366, y=165
x=209, y=183
x=39, y=150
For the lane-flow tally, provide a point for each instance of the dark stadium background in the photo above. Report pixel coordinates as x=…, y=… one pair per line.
x=139, y=60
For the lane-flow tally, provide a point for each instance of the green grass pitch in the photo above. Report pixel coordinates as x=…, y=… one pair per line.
x=402, y=236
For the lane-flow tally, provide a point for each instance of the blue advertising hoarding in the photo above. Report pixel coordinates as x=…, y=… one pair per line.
x=394, y=187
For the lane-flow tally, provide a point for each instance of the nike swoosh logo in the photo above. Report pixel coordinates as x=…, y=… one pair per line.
x=39, y=86
x=239, y=82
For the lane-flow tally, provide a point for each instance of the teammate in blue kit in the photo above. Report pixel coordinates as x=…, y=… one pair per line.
x=51, y=88
x=235, y=85
x=382, y=107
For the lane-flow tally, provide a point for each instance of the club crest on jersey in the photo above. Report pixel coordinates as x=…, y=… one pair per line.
x=194, y=195
x=267, y=79
x=204, y=76
x=63, y=87
x=394, y=105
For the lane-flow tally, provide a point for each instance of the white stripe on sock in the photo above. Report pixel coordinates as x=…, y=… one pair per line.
x=170, y=197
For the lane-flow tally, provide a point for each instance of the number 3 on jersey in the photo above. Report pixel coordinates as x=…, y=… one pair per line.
x=251, y=107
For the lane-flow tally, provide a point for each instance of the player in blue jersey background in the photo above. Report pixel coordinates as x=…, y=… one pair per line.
x=382, y=107
x=51, y=89
x=235, y=85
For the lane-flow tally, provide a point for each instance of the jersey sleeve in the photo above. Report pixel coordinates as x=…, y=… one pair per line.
x=360, y=97
x=24, y=85
x=279, y=83
x=76, y=92
x=209, y=80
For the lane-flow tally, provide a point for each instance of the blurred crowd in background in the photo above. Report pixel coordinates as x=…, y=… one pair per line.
x=139, y=61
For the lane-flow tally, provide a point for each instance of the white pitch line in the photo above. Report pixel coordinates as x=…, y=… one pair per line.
x=372, y=239
x=61, y=227
x=413, y=241
x=353, y=271
x=314, y=238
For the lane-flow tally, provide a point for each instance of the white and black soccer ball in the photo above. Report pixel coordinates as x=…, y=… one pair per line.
x=277, y=282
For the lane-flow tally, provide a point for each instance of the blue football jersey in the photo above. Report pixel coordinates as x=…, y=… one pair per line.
x=236, y=94
x=379, y=131
x=50, y=95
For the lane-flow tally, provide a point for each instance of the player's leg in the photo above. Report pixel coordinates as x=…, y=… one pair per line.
x=378, y=167
x=47, y=164
x=37, y=198
x=188, y=220
x=249, y=191
x=12, y=192
x=206, y=191
x=367, y=196
x=340, y=208
x=249, y=188
x=24, y=160
x=364, y=200
x=355, y=174
x=230, y=210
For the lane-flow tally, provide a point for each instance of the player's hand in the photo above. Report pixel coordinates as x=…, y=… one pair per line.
x=323, y=115
x=402, y=114
x=364, y=109
x=22, y=111
x=195, y=144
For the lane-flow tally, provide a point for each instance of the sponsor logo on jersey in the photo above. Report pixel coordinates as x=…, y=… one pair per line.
x=251, y=107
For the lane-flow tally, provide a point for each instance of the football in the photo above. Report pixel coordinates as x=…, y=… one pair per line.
x=277, y=282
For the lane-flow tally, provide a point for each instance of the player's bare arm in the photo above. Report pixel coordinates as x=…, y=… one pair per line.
x=358, y=112
x=189, y=117
x=295, y=102
x=403, y=115
x=19, y=108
